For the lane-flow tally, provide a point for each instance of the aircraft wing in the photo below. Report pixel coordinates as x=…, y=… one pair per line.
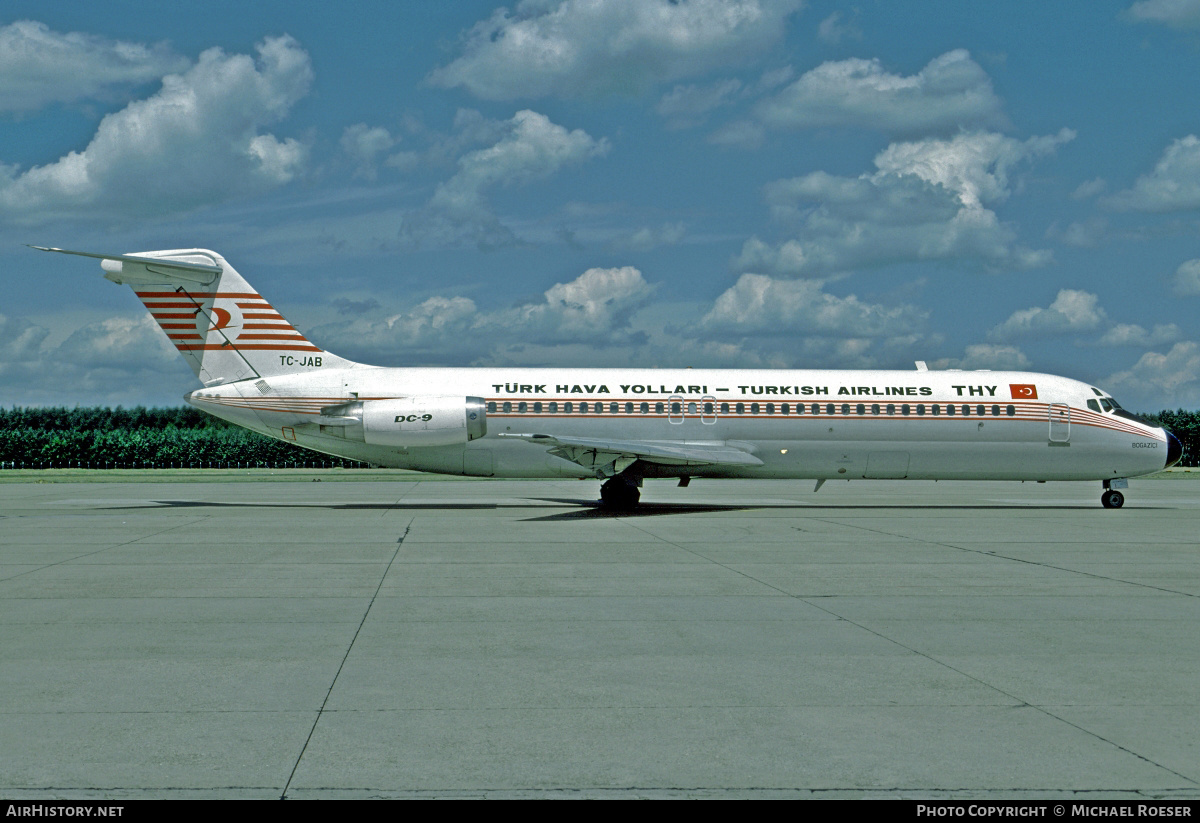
x=614, y=456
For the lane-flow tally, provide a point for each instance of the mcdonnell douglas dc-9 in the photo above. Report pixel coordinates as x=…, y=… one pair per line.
x=623, y=425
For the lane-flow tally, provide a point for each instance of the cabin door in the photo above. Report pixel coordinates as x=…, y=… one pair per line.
x=1060, y=423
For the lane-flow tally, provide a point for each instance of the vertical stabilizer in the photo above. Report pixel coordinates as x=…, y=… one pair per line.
x=224, y=329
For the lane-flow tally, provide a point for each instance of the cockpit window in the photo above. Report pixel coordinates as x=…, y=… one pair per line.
x=1093, y=405
x=1097, y=392
x=1105, y=404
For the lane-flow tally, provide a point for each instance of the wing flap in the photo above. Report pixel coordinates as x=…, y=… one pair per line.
x=598, y=453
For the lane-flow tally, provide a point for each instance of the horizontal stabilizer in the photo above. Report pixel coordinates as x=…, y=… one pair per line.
x=134, y=268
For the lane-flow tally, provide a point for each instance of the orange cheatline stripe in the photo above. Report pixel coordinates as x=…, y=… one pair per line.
x=280, y=327
x=248, y=315
x=251, y=347
x=298, y=337
x=178, y=325
x=184, y=336
x=179, y=305
x=263, y=305
x=172, y=316
x=177, y=294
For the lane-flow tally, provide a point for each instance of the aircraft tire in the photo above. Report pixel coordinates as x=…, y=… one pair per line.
x=618, y=493
x=1112, y=499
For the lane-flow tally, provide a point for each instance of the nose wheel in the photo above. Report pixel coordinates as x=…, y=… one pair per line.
x=1112, y=499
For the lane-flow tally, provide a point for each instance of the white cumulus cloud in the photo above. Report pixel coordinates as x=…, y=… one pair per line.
x=758, y=304
x=952, y=92
x=986, y=356
x=593, y=309
x=1178, y=14
x=1131, y=334
x=928, y=200
x=1071, y=311
x=1162, y=380
x=566, y=48
x=530, y=148
x=1174, y=185
x=195, y=142
x=39, y=66
x=1187, y=279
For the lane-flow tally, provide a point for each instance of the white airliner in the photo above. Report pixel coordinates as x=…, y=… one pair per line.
x=623, y=425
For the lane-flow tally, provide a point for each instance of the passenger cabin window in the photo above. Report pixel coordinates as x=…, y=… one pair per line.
x=937, y=410
x=1010, y=410
x=904, y=409
x=724, y=408
x=770, y=408
x=659, y=408
x=846, y=409
x=995, y=411
x=599, y=408
x=754, y=408
x=522, y=407
x=629, y=408
x=507, y=406
x=829, y=408
x=860, y=409
x=645, y=408
x=874, y=408
x=921, y=409
x=980, y=410
x=492, y=407
x=692, y=407
x=741, y=408
x=568, y=407
x=583, y=408
x=891, y=408
x=612, y=408
x=554, y=407
x=950, y=409
x=816, y=408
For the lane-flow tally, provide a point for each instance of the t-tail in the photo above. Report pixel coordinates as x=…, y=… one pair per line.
x=224, y=329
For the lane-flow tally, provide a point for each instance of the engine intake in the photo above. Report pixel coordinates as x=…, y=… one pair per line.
x=408, y=422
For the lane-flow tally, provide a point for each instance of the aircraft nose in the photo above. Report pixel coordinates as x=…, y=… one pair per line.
x=1174, y=449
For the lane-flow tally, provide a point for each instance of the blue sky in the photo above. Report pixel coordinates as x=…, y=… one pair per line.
x=712, y=183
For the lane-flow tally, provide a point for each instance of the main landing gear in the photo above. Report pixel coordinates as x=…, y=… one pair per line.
x=620, y=492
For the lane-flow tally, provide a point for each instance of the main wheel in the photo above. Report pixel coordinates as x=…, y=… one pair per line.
x=1112, y=499
x=619, y=493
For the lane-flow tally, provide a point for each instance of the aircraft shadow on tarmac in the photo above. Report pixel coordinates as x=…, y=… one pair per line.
x=583, y=508
x=586, y=509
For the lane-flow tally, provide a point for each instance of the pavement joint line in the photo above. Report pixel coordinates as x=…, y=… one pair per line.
x=1015, y=559
x=1021, y=702
x=411, y=488
x=345, y=657
x=106, y=548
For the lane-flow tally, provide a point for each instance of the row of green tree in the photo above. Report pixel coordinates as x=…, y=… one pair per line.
x=186, y=436
x=140, y=437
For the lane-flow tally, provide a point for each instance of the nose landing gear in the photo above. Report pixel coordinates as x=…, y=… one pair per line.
x=1110, y=498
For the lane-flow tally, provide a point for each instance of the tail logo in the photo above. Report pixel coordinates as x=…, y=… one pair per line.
x=222, y=317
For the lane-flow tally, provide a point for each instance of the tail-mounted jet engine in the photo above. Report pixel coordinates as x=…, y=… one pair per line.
x=408, y=422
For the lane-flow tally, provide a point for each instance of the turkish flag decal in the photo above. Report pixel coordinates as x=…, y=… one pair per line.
x=1023, y=391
